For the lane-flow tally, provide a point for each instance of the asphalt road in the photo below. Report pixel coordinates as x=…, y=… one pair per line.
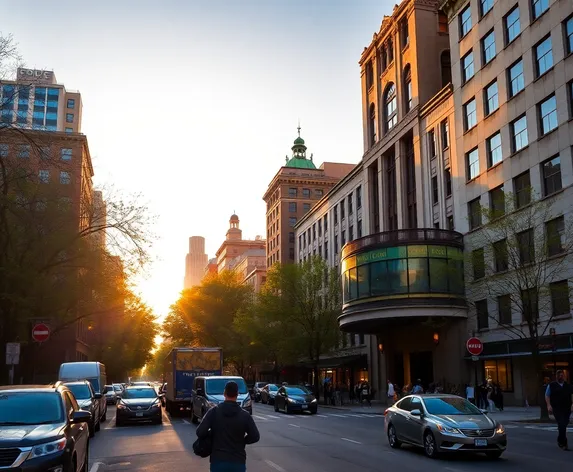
x=332, y=441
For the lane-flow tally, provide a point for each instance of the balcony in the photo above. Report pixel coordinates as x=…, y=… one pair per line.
x=399, y=276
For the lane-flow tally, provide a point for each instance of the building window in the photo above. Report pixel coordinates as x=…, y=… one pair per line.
x=44, y=176
x=359, y=197
x=526, y=246
x=467, y=67
x=291, y=237
x=555, y=236
x=372, y=125
x=305, y=207
x=450, y=220
x=65, y=178
x=448, y=182
x=319, y=192
x=482, y=315
x=491, y=98
x=292, y=192
x=552, y=176
x=314, y=232
x=408, y=88
x=359, y=231
x=350, y=205
x=435, y=190
x=432, y=144
x=390, y=51
x=405, y=35
x=4, y=149
x=306, y=193
x=319, y=228
x=518, y=131
x=478, y=264
x=500, y=256
x=342, y=210
x=472, y=162
x=292, y=221
x=493, y=149
x=71, y=103
x=539, y=7
x=560, y=304
x=522, y=186
x=291, y=253
x=391, y=107
x=470, y=114
x=569, y=35
x=485, y=6
x=69, y=117
x=442, y=22
x=530, y=305
x=24, y=151
x=325, y=224
x=66, y=154
x=445, y=131
x=516, y=80
x=474, y=210
x=446, y=66
x=342, y=238
x=543, y=56
x=488, y=47
x=512, y=25
x=465, y=21
x=548, y=115
x=369, y=75
x=45, y=153
x=504, y=309
x=500, y=371
x=351, y=233
x=497, y=201
x=335, y=215
x=292, y=207
x=69, y=130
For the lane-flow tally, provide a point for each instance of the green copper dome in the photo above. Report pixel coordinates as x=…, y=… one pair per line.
x=300, y=163
x=298, y=159
x=299, y=140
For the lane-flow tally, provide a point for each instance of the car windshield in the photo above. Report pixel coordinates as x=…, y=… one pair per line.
x=108, y=388
x=260, y=384
x=80, y=391
x=117, y=388
x=450, y=406
x=30, y=408
x=95, y=384
x=217, y=386
x=132, y=393
x=273, y=388
x=297, y=391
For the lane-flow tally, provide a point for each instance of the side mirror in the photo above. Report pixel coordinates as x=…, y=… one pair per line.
x=81, y=417
x=485, y=412
x=98, y=396
x=161, y=395
x=199, y=392
x=416, y=413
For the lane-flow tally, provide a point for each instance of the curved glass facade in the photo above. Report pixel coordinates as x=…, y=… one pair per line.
x=418, y=270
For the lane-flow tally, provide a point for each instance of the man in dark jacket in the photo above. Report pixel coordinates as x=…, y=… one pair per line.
x=559, y=399
x=231, y=429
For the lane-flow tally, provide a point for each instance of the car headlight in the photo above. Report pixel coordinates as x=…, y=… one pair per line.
x=48, y=448
x=291, y=400
x=247, y=403
x=121, y=406
x=499, y=429
x=156, y=403
x=447, y=429
x=314, y=401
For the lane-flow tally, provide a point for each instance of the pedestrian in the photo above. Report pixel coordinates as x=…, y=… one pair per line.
x=559, y=399
x=470, y=395
x=366, y=393
x=230, y=428
x=418, y=387
x=391, y=392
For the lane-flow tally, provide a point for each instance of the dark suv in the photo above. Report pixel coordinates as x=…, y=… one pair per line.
x=88, y=400
x=43, y=429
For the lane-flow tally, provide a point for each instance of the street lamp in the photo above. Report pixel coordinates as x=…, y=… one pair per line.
x=436, y=338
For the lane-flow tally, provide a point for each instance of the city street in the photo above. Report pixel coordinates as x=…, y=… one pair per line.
x=331, y=441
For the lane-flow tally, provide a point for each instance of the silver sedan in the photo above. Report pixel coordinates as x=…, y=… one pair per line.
x=443, y=423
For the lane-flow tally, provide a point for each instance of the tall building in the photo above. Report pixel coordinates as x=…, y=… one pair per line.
x=291, y=194
x=195, y=262
x=252, y=268
x=234, y=246
x=100, y=216
x=36, y=101
x=512, y=75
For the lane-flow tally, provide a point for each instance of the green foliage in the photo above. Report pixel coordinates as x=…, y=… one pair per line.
x=154, y=368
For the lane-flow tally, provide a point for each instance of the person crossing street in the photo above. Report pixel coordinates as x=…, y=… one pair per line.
x=559, y=399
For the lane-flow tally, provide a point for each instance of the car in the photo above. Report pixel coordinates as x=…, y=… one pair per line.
x=42, y=428
x=268, y=393
x=118, y=389
x=88, y=400
x=139, y=404
x=140, y=384
x=295, y=398
x=257, y=390
x=208, y=392
x=110, y=395
x=443, y=423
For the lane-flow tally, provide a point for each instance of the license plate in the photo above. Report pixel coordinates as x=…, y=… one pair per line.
x=141, y=414
x=304, y=407
x=480, y=442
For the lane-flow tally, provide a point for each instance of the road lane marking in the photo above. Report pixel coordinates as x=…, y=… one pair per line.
x=274, y=466
x=95, y=467
x=322, y=416
x=351, y=440
x=111, y=424
x=339, y=416
x=186, y=422
x=275, y=417
x=294, y=425
x=260, y=417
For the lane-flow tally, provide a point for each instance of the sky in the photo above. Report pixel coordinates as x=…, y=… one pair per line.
x=194, y=104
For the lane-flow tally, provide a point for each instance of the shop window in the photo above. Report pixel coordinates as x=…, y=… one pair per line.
x=500, y=371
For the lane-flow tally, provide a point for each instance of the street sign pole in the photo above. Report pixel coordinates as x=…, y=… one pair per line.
x=12, y=358
x=11, y=378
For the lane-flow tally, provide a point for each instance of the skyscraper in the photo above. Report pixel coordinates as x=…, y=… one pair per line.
x=195, y=262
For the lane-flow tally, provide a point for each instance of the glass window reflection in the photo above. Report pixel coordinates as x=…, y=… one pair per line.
x=418, y=275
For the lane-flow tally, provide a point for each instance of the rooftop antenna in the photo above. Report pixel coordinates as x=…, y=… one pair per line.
x=298, y=128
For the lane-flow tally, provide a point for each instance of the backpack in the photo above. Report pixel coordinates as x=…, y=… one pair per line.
x=203, y=447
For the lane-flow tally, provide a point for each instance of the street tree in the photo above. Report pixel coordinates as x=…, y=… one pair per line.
x=520, y=266
x=155, y=367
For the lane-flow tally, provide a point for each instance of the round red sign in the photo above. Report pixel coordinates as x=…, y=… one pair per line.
x=41, y=333
x=474, y=346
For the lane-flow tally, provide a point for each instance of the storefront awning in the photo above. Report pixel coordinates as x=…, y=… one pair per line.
x=560, y=344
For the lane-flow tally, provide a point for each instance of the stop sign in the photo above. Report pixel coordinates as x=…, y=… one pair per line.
x=41, y=332
x=474, y=346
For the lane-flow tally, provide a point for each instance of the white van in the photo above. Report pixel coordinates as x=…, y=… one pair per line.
x=93, y=372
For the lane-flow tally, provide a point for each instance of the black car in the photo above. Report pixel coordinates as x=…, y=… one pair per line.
x=295, y=398
x=42, y=428
x=88, y=400
x=139, y=404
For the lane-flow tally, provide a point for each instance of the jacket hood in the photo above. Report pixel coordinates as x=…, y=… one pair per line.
x=229, y=408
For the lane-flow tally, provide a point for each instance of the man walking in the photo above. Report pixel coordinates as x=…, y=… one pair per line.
x=559, y=399
x=231, y=429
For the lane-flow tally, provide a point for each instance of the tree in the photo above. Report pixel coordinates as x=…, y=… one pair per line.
x=305, y=302
x=155, y=367
x=204, y=316
x=520, y=261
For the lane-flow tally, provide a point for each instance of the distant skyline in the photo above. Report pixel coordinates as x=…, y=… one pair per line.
x=209, y=92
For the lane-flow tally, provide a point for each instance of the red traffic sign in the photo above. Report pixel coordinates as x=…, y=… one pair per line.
x=41, y=333
x=474, y=346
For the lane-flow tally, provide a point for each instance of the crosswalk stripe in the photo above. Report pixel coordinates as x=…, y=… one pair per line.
x=275, y=417
x=339, y=416
x=322, y=416
x=260, y=417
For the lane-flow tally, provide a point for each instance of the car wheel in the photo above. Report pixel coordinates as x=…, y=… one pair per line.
x=287, y=409
x=493, y=454
x=430, y=446
x=87, y=459
x=265, y=401
x=194, y=419
x=91, y=429
x=393, y=437
x=104, y=417
x=314, y=411
x=97, y=426
x=118, y=423
x=276, y=407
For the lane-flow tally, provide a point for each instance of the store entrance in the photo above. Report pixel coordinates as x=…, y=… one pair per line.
x=422, y=367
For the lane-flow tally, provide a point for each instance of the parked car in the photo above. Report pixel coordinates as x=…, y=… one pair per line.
x=118, y=389
x=139, y=404
x=257, y=390
x=295, y=398
x=268, y=393
x=88, y=400
x=110, y=395
x=444, y=423
x=208, y=392
x=42, y=428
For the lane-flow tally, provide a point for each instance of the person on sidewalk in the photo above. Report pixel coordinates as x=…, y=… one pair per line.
x=231, y=428
x=391, y=393
x=559, y=399
x=470, y=395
